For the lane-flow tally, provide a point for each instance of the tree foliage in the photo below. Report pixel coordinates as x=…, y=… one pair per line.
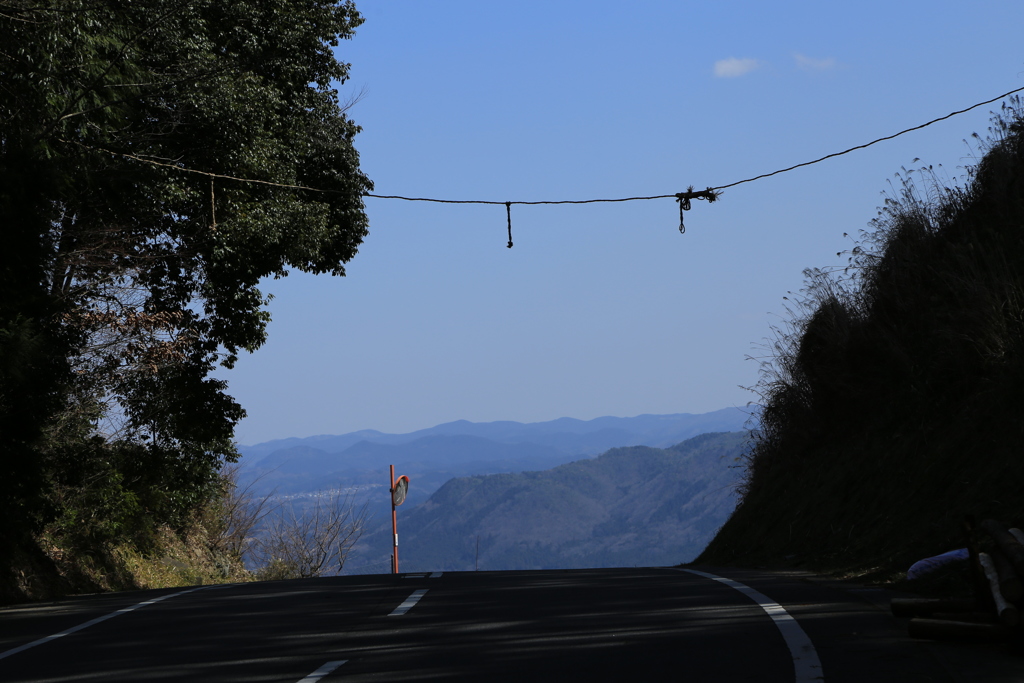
x=125, y=279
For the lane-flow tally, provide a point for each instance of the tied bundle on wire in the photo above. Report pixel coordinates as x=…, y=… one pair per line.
x=684, y=198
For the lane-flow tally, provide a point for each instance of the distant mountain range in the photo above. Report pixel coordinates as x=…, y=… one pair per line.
x=631, y=506
x=433, y=456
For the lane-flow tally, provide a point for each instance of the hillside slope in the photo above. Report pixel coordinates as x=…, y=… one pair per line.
x=893, y=406
x=458, y=449
x=629, y=506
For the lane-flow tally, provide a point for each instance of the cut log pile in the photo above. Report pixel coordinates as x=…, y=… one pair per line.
x=994, y=613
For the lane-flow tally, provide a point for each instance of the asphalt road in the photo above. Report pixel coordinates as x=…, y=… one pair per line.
x=649, y=624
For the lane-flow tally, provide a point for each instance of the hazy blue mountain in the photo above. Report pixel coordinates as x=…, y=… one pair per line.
x=325, y=442
x=441, y=450
x=630, y=506
x=430, y=457
x=430, y=461
x=299, y=460
x=567, y=435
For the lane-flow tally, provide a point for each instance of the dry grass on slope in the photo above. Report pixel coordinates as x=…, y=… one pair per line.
x=893, y=401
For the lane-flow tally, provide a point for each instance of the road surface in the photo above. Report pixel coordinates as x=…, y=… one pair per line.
x=646, y=624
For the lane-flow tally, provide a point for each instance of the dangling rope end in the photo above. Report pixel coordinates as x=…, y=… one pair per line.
x=508, y=212
x=684, y=205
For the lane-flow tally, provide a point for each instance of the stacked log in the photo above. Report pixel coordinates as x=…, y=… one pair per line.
x=994, y=613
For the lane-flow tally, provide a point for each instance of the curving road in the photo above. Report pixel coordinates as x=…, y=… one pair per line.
x=596, y=625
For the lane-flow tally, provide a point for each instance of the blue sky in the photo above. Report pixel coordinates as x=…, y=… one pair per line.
x=606, y=309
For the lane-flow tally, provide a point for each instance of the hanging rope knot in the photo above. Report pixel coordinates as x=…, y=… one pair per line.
x=684, y=201
x=684, y=205
x=508, y=211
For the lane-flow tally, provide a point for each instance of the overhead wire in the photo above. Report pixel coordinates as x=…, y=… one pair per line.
x=709, y=194
x=718, y=187
x=887, y=137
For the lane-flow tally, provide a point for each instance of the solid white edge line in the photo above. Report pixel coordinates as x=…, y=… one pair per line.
x=806, y=665
x=409, y=602
x=97, y=620
x=323, y=671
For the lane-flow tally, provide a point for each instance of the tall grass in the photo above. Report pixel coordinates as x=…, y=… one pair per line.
x=893, y=399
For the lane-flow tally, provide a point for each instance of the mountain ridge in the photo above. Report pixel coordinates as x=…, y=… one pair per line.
x=630, y=505
x=650, y=429
x=462, y=448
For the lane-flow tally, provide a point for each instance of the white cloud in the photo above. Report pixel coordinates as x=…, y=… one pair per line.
x=733, y=67
x=811, y=64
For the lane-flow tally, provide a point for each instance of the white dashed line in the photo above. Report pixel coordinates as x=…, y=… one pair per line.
x=409, y=602
x=436, y=575
x=323, y=671
x=97, y=620
x=806, y=665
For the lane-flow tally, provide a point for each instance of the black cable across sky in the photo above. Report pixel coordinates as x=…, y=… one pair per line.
x=710, y=189
x=709, y=194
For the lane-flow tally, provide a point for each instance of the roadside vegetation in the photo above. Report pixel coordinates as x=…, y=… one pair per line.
x=129, y=272
x=234, y=536
x=892, y=400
